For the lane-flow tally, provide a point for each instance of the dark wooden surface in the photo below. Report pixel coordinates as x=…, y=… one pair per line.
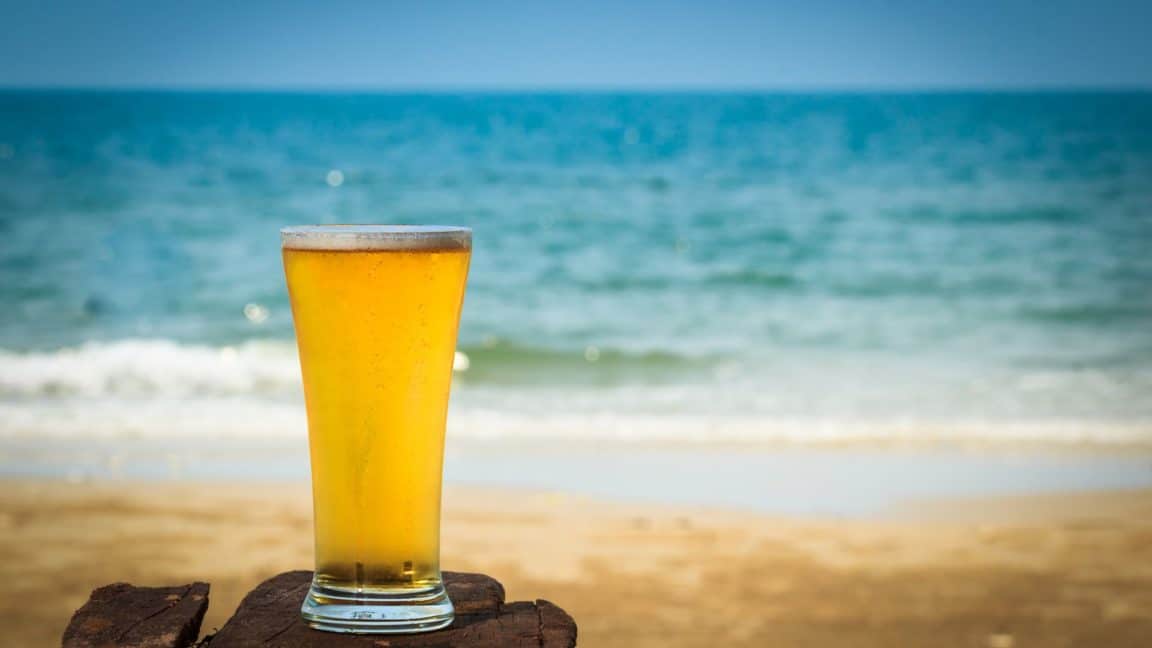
x=169, y=617
x=270, y=616
x=139, y=617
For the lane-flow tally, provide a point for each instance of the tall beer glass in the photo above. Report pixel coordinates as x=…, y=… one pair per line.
x=376, y=309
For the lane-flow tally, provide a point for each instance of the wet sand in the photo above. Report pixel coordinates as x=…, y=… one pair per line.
x=1001, y=572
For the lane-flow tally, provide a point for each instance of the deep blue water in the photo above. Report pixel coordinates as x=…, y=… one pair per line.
x=898, y=259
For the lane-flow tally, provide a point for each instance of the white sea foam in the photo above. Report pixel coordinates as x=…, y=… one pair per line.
x=229, y=417
x=151, y=368
x=134, y=389
x=159, y=418
x=493, y=425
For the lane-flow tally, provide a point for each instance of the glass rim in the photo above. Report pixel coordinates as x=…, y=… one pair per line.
x=368, y=237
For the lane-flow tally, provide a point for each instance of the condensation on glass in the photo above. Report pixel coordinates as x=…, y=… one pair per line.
x=376, y=310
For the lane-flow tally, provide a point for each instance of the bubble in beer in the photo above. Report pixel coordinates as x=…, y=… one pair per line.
x=335, y=178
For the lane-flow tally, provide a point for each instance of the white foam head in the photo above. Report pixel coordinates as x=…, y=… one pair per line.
x=376, y=237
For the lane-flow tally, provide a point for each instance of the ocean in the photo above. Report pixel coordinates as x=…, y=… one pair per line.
x=648, y=267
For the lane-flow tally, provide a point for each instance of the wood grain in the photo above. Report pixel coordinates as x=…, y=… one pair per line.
x=126, y=616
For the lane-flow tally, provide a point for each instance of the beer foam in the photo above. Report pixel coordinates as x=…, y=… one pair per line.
x=376, y=237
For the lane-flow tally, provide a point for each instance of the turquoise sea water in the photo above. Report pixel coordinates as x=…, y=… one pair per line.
x=664, y=266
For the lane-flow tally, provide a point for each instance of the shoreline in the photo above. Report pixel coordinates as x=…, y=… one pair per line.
x=984, y=446
x=857, y=481
x=1126, y=438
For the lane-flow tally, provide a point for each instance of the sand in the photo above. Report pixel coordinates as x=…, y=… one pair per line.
x=1002, y=573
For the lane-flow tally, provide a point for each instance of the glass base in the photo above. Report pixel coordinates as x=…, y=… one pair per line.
x=334, y=609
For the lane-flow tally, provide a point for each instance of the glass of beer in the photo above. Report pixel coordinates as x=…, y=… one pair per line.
x=376, y=309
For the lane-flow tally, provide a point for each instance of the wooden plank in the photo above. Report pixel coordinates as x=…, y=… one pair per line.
x=126, y=616
x=270, y=616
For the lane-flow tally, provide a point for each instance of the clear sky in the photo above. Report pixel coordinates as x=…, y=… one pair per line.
x=576, y=43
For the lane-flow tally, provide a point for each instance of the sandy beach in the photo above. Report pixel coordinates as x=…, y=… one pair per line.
x=1052, y=570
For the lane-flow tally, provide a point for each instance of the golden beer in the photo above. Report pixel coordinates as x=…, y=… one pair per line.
x=376, y=310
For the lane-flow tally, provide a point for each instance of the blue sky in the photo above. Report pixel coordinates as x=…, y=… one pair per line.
x=576, y=44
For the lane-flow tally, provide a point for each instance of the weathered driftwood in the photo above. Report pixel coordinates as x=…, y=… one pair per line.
x=139, y=617
x=270, y=616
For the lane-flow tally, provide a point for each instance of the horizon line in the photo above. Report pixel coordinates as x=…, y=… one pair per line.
x=1037, y=88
